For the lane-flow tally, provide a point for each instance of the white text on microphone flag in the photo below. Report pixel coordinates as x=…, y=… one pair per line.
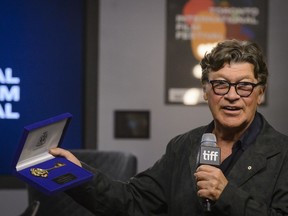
x=209, y=155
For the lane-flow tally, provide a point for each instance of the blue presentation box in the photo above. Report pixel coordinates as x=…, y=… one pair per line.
x=37, y=167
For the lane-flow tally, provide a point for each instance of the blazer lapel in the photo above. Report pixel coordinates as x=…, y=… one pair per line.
x=193, y=154
x=251, y=162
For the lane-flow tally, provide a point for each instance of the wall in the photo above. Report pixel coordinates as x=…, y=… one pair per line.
x=131, y=67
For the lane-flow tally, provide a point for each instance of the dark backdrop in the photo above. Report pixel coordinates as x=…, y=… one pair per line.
x=43, y=44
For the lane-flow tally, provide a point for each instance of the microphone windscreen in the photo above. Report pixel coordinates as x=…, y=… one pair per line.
x=208, y=139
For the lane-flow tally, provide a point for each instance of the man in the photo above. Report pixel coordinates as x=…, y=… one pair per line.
x=252, y=178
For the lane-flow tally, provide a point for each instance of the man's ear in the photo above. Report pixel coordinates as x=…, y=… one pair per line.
x=261, y=95
x=204, y=92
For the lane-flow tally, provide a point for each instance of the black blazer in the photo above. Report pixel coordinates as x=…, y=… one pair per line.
x=258, y=182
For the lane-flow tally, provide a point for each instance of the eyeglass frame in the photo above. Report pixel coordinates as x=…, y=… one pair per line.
x=235, y=86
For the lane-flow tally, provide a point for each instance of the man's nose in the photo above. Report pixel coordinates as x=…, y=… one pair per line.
x=232, y=94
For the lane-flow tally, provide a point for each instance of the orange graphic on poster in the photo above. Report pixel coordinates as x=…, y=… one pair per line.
x=207, y=28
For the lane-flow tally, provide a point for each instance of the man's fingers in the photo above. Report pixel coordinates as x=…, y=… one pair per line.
x=64, y=153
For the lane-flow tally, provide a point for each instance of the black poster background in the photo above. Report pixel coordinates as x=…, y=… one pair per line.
x=246, y=20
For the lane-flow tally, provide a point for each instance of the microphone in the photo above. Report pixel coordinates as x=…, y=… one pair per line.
x=209, y=154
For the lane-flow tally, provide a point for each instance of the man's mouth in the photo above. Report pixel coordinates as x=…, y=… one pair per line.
x=231, y=108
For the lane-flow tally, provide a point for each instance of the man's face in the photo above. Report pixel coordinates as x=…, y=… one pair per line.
x=230, y=111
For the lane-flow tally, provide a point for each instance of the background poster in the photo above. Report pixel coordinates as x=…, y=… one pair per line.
x=194, y=27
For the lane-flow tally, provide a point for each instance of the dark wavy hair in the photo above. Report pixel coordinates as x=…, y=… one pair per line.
x=235, y=51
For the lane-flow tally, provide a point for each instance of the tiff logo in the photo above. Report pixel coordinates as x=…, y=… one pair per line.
x=210, y=155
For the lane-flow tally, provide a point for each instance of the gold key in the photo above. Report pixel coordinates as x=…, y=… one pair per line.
x=44, y=172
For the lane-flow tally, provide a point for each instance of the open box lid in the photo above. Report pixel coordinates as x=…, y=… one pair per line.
x=38, y=138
